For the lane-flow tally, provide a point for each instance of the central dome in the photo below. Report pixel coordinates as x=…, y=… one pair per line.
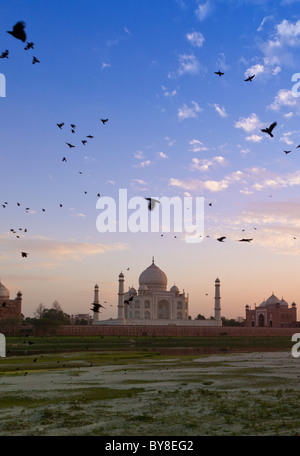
x=154, y=278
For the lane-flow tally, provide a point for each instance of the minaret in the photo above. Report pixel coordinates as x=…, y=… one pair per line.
x=121, y=306
x=217, y=300
x=96, y=301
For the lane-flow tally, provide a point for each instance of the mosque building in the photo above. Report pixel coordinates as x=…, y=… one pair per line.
x=10, y=308
x=272, y=312
x=152, y=303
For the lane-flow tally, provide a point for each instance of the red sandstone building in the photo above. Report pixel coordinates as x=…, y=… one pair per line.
x=273, y=312
x=10, y=309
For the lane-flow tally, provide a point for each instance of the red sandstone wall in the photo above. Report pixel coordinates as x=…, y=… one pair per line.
x=167, y=331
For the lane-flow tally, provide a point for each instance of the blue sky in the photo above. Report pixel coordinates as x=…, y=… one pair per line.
x=175, y=129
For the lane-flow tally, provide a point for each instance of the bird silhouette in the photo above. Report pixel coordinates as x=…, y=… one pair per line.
x=64, y=159
x=127, y=301
x=221, y=239
x=84, y=142
x=245, y=240
x=96, y=307
x=269, y=129
x=4, y=55
x=60, y=125
x=90, y=136
x=219, y=73
x=104, y=121
x=35, y=60
x=24, y=254
x=29, y=46
x=151, y=203
x=18, y=31
x=287, y=151
x=70, y=145
x=250, y=78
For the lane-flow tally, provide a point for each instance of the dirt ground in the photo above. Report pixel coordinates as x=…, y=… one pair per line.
x=215, y=395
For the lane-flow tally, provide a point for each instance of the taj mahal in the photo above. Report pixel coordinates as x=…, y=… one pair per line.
x=153, y=304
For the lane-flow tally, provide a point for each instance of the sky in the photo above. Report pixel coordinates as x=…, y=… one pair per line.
x=175, y=129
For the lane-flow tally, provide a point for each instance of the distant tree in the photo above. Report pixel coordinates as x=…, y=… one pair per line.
x=231, y=321
x=200, y=317
x=56, y=306
x=56, y=315
x=38, y=313
x=81, y=321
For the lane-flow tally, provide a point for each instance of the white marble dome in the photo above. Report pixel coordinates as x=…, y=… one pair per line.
x=4, y=292
x=174, y=289
x=154, y=278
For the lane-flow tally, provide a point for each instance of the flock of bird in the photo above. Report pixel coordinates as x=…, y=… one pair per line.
x=19, y=33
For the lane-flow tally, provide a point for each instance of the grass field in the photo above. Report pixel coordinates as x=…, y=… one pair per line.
x=125, y=386
x=56, y=344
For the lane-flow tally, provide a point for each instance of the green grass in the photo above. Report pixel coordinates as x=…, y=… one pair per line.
x=56, y=344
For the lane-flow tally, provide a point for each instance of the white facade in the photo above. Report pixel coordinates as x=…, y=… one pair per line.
x=154, y=304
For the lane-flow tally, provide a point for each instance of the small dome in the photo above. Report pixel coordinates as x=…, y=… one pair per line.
x=283, y=303
x=154, y=278
x=132, y=291
x=4, y=292
x=143, y=287
x=121, y=274
x=217, y=280
x=174, y=289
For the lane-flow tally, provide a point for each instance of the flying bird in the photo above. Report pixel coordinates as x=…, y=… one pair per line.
x=24, y=254
x=210, y=204
x=104, y=121
x=18, y=31
x=70, y=145
x=90, y=136
x=245, y=240
x=96, y=307
x=219, y=73
x=151, y=203
x=64, y=159
x=84, y=142
x=35, y=60
x=250, y=78
x=29, y=46
x=287, y=151
x=127, y=300
x=60, y=125
x=269, y=129
x=4, y=55
x=221, y=239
